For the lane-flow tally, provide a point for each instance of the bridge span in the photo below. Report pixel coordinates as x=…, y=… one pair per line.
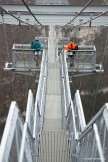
x=54, y=129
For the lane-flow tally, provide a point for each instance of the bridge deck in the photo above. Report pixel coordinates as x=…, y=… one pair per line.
x=52, y=120
x=53, y=147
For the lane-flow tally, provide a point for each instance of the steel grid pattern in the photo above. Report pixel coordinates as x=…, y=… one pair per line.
x=92, y=145
x=82, y=147
x=23, y=57
x=52, y=118
x=53, y=146
x=103, y=133
x=84, y=58
x=40, y=103
x=88, y=150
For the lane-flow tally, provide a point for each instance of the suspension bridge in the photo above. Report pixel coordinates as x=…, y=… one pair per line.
x=54, y=129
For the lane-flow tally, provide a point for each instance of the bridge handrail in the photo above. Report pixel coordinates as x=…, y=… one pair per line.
x=73, y=109
x=23, y=47
x=30, y=111
x=40, y=90
x=98, y=125
x=89, y=146
x=12, y=135
x=68, y=105
x=96, y=117
x=27, y=145
x=80, y=119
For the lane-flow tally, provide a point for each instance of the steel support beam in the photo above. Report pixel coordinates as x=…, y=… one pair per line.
x=55, y=20
x=55, y=14
x=55, y=8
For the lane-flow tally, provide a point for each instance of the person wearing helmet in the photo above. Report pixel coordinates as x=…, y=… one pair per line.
x=70, y=51
x=36, y=45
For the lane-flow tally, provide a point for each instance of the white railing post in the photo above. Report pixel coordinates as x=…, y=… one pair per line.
x=6, y=147
x=30, y=111
x=98, y=143
x=81, y=117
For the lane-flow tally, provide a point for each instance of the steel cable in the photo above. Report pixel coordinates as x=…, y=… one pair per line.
x=79, y=12
x=18, y=19
x=31, y=12
x=7, y=48
x=23, y=54
x=5, y=34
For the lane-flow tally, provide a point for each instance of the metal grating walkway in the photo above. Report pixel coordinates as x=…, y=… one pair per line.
x=52, y=119
x=53, y=147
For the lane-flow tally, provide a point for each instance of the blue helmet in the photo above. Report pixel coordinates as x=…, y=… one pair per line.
x=36, y=39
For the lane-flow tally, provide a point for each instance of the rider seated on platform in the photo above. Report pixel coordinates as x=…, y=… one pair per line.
x=36, y=45
x=69, y=51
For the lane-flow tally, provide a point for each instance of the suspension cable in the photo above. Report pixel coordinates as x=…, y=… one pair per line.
x=91, y=19
x=7, y=47
x=106, y=44
x=23, y=54
x=8, y=58
x=29, y=29
x=31, y=12
x=14, y=16
x=2, y=9
x=79, y=12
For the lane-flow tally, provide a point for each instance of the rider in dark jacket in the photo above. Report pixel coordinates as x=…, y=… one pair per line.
x=36, y=45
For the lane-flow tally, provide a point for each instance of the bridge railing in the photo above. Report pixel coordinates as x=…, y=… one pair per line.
x=17, y=143
x=86, y=143
x=79, y=114
x=11, y=140
x=30, y=111
x=84, y=58
x=40, y=102
x=23, y=57
x=72, y=110
x=21, y=139
x=27, y=150
x=92, y=145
